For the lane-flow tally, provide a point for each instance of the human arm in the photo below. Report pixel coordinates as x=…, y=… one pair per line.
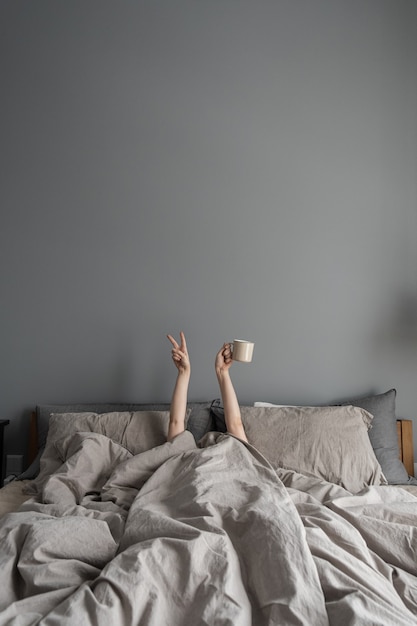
x=231, y=407
x=179, y=395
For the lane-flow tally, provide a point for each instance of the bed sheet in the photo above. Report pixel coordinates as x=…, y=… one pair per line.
x=12, y=496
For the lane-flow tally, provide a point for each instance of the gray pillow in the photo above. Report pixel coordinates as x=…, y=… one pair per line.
x=137, y=431
x=200, y=421
x=383, y=434
x=330, y=443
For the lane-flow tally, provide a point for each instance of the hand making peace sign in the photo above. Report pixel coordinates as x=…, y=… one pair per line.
x=180, y=354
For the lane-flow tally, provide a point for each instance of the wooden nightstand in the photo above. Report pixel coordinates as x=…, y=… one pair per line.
x=3, y=423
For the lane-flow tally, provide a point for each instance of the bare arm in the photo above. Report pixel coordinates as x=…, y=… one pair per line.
x=232, y=415
x=179, y=395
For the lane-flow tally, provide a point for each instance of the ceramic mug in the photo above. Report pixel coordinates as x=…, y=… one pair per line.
x=242, y=350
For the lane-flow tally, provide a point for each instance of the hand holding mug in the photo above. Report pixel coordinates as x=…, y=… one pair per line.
x=224, y=358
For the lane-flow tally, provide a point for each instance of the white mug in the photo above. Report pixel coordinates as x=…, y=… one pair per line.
x=242, y=350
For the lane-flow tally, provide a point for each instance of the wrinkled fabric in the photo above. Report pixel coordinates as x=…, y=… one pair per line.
x=213, y=535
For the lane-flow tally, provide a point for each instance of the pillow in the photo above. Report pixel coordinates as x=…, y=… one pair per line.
x=330, y=443
x=199, y=422
x=270, y=404
x=383, y=434
x=137, y=431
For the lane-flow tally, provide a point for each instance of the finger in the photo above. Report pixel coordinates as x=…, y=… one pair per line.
x=178, y=354
x=227, y=348
x=183, y=342
x=220, y=354
x=172, y=340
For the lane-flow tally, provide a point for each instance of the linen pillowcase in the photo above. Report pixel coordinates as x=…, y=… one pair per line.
x=199, y=423
x=330, y=443
x=137, y=431
x=382, y=434
x=271, y=404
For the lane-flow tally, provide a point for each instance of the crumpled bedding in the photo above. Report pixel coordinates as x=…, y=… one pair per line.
x=204, y=535
x=12, y=495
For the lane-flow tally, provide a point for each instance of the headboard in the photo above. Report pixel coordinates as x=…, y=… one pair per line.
x=405, y=444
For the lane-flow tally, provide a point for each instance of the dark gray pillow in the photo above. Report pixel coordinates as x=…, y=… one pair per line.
x=199, y=422
x=217, y=412
x=383, y=434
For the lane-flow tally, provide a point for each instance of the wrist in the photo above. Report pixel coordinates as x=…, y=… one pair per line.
x=222, y=373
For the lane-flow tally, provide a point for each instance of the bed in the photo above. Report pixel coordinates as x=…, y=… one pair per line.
x=313, y=522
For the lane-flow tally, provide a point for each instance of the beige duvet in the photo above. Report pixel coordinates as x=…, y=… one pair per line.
x=183, y=535
x=12, y=496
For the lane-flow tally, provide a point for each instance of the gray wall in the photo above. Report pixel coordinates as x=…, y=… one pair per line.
x=233, y=169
